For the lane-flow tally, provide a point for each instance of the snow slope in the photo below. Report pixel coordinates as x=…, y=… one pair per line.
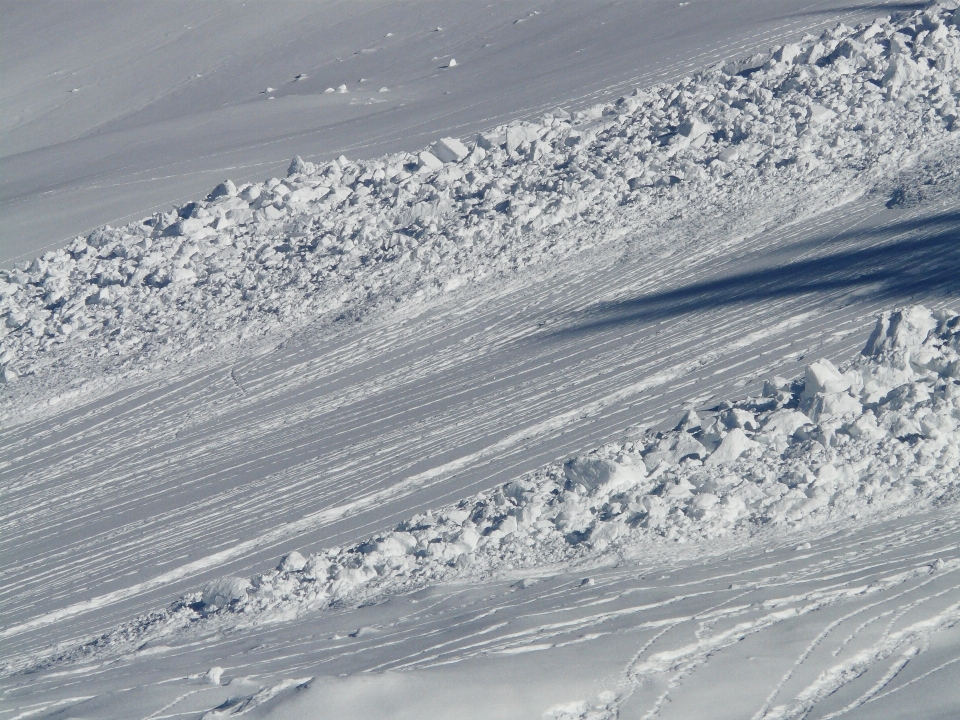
x=111, y=108
x=195, y=426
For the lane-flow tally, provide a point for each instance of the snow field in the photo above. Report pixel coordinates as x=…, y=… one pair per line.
x=831, y=116
x=870, y=439
x=863, y=444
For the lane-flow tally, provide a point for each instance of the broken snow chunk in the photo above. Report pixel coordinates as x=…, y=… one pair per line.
x=737, y=418
x=297, y=166
x=452, y=63
x=694, y=128
x=187, y=226
x=521, y=491
x=820, y=114
x=774, y=386
x=733, y=446
x=672, y=449
x=595, y=472
x=518, y=135
x=226, y=590
x=224, y=189
x=491, y=140
x=8, y=375
x=182, y=275
x=100, y=297
x=429, y=161
x=292, y=562
x=689, y=421
x=213, y=675
x=250, y=193
x=729, y=154
x=787, y=54
x=900, y=331
x=785, y=422
x=822, y=376
x=838, y=403
x=396, y=544
x=449, y=150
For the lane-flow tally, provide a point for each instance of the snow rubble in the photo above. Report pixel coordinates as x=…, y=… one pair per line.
x=787, y=133
x=878, y=433
x=878, y=436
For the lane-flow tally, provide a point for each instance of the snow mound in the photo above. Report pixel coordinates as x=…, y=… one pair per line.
x=831, y=115
x=879, y=435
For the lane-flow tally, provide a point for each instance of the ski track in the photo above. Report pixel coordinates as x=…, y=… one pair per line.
x=684, y=623
x=272, y=431
x=115, y=505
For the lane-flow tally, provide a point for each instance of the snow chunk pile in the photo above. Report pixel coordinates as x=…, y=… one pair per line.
x=835, y=112
x=879, y=435
x=841, y=442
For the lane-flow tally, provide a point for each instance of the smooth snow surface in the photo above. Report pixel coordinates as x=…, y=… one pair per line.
x=647, y=410
x=111, y=107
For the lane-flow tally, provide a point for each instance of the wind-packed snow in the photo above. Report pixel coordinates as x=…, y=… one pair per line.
x=810, y=124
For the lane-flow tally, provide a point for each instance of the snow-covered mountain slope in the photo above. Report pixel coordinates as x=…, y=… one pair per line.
x=350, y=361
x=861, y=621
x=780, y=135
x=111, y=108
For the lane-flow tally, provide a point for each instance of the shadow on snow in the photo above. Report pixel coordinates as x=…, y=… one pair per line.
x=897, y=269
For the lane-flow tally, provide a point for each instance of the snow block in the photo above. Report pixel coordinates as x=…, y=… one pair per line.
x=450, y=150
x=822, y=376
x=729, y=154
x=694, y=128
x=491, y=140
x=292, y=562
x=733, y=446
x=900, y=330
x=213, y=675
x=674, y=449
x=787, y=54
x=785, y=422
x=224, y=189
x=429, y=161
x=225, y=591
x=593, y=472
x=396, y=544
x=518, y=135
x=819, y=114
x=297, y=166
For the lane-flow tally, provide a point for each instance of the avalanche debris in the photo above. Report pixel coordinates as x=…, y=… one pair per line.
x=835, y=113
x=878, y=435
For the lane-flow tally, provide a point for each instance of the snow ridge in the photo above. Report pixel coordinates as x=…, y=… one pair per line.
x=829, y=116
x=877, y=436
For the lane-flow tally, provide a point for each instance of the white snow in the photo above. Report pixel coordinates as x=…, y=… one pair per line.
x=901, y=448
x=348, y=233
x=186, y=403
